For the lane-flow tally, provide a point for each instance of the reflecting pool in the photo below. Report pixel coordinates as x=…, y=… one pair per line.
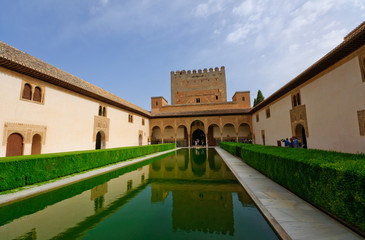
x=187, y=194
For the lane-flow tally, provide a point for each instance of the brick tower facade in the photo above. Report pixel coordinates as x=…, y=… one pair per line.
x=198, y=86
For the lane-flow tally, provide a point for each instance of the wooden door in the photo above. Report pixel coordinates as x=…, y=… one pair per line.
x=14, y=146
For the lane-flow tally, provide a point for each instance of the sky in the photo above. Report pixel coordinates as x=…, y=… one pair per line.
x=129, y=47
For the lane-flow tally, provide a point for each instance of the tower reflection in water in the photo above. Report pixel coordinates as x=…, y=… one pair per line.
x=201, y=186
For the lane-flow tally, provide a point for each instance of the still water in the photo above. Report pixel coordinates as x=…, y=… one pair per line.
x=187, y=194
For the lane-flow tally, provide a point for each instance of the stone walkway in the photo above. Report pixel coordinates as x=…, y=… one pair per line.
x=35, y=190
x=290, y=216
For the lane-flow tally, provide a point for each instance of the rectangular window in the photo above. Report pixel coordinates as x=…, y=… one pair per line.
x=362, y=66
x=198, y=100
x=268, y=113
x=216, y=97
x=295, y=98
x=130, y=118
x=257, y=117
x=143, y=121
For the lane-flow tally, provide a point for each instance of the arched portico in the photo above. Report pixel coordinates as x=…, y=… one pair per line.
x=244, y=132
x=198, y=136
x=168, y=134
x=182, y=136
x=215, y=128
x=229, y=133
x=214, y=135
x=156, y=135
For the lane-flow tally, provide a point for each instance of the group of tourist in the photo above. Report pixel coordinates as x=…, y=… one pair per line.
x=199, y=142
x=292, y=142
x=243, y=140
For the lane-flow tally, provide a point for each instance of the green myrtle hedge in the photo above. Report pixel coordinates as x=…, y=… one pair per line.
x=332, y=181
x=20, y=171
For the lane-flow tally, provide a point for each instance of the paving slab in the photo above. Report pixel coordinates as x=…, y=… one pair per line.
x=290, y=216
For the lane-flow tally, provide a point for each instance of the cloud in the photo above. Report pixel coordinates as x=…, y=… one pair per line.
x=239, y=34
x=208, y=8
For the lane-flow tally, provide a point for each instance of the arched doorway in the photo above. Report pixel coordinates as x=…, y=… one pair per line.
x=197, y=133
x=300, y=134
x=100, y=140
x=140, y=140
x=213, y=134
x=14, y=146
x=36, y=144
x=198, y=137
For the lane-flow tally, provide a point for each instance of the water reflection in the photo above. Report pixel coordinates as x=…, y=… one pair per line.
x=194, y=183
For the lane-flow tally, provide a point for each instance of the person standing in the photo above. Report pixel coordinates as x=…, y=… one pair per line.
x=287, y=143
x=295, y=142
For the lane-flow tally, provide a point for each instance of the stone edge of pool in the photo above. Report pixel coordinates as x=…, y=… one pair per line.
x=35, y=189
x=278, y=229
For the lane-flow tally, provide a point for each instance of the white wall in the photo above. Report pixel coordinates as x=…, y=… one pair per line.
x=69, y=117
x=277, y=126
x=332, y=102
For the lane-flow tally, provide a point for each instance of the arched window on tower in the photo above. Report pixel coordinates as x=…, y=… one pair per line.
x=104, y=112
x=27, y=92
x=37, y=96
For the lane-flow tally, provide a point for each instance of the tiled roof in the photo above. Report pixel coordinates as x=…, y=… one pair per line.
x=16, y=60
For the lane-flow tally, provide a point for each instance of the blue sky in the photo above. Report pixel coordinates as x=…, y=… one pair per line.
x=129, y=47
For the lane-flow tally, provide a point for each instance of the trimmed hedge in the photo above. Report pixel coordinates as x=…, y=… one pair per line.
x=329, y=180
x=20, y=171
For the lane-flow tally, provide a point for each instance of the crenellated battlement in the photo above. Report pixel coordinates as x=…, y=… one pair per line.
x=199, y=71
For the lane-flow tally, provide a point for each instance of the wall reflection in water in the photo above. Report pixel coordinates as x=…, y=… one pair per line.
x=199, y=183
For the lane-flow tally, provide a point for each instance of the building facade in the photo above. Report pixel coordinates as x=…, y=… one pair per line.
x=45, y=109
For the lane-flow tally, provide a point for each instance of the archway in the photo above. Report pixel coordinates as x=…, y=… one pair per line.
x=14, y=146
x=244, y=133
x=36, y=144
x=300, y=134
x=213, y=135
x=197, y=133
x=156, y=136
x=229, y=134
x=168, y=135
x=198, y=137
x=100, y=140
x=181, y=136
x=140, y=140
